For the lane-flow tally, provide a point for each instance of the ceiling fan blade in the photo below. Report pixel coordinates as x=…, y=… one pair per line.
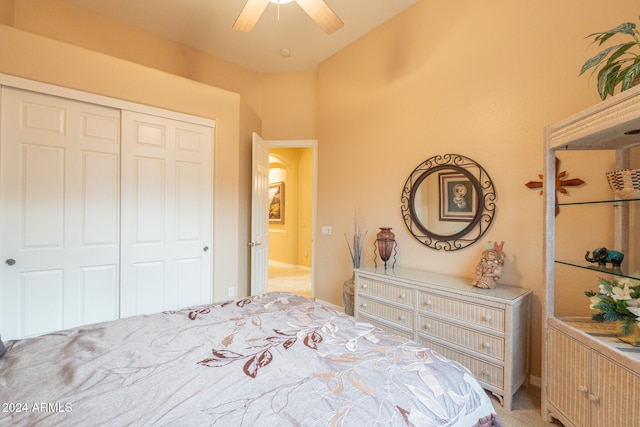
x=250, y=14
x=320, y=12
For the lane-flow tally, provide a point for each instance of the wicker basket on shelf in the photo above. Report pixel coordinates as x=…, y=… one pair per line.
x=625, y=183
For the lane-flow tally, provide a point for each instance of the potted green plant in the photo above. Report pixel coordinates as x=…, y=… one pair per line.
x=619, y=63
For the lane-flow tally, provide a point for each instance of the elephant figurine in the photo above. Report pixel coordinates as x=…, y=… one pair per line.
x=602, y=256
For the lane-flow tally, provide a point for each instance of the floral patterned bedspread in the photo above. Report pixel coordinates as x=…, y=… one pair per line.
x=269, y=360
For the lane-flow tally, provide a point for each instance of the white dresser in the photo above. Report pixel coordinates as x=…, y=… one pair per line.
x=487, y=330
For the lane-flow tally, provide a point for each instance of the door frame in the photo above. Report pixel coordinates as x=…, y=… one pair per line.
x=313, y=144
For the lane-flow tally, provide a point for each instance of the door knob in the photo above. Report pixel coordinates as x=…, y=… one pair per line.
x=206, y=248
x=10, y=262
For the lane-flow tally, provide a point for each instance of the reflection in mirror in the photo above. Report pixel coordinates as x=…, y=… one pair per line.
x=448, y=202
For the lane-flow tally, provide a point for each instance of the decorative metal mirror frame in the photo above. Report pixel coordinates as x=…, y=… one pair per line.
x=485, y=193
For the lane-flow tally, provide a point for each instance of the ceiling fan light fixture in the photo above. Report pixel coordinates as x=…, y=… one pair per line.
x=318, y=10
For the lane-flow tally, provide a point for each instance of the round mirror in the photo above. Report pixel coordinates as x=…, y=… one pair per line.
x=448, y=202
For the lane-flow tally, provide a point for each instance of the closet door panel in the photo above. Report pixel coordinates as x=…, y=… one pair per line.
x=149, y=200
x=100, y=199
x=59, y=209
x=99, y=293
x=41, y=183
x=42, y=298
x=145, y=290
x=189, y=276
x=166, y=199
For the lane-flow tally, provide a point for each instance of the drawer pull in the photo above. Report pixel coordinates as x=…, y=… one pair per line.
x=427, y=327
x=428, y=303
x=363, y=305
x=364, y=286
x=403, y=296
x=582, y=389
x=486, y=374
x=487, y=318
x=403, y=317
x=486, y=346
x=593, y=398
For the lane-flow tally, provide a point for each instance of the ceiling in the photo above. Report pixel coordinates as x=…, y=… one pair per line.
x=205, y=25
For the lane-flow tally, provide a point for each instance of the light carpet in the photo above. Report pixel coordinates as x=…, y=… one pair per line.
x=287, y=278
x=525, y=409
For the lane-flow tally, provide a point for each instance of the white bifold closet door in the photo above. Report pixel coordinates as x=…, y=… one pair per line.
x=104, y=213
x=166, y=214
x=59, y=213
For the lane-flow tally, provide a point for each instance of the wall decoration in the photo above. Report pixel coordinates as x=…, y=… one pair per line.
x=276, y=203
x=423, y=202
x=560, y=183
x=458, y=201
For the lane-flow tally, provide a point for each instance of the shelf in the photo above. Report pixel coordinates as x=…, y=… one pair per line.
x=629, y=271
x=597, y=202
x=604, y=333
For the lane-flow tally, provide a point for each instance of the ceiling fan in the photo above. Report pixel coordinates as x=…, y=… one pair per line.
x=318, y=10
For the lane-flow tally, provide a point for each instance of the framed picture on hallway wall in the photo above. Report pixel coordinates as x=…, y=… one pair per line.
x=276, y=203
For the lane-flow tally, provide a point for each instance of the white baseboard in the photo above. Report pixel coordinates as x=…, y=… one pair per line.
x=535, y=381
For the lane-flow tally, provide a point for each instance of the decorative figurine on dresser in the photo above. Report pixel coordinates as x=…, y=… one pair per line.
x=489, y=268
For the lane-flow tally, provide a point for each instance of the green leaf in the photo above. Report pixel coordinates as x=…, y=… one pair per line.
x=607, y=80
x=612, y=316
x=626, y=28
x=594, y=61
x=630, y=75
x=627, y=326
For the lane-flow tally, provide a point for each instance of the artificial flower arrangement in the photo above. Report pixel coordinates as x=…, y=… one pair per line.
x=618, y=300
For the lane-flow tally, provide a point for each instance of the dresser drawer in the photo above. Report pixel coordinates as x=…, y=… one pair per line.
x=485, y=372
x=397, y=331
x=476, y=314
x=399, y=316
x=473, y=340
x=387, y=291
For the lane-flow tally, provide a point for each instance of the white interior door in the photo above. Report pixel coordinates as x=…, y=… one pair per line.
x=259, y=216
x=166, y=214
x=59, y=213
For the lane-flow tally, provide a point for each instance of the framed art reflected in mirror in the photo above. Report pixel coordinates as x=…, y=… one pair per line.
x=458, y=201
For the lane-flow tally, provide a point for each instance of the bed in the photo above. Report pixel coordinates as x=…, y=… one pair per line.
x=269, y=360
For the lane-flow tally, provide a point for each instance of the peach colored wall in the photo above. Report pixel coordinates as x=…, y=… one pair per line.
x=480, y=79
x=289, y=105
x=7, y=12
x=63, y=21
x=37, y=58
